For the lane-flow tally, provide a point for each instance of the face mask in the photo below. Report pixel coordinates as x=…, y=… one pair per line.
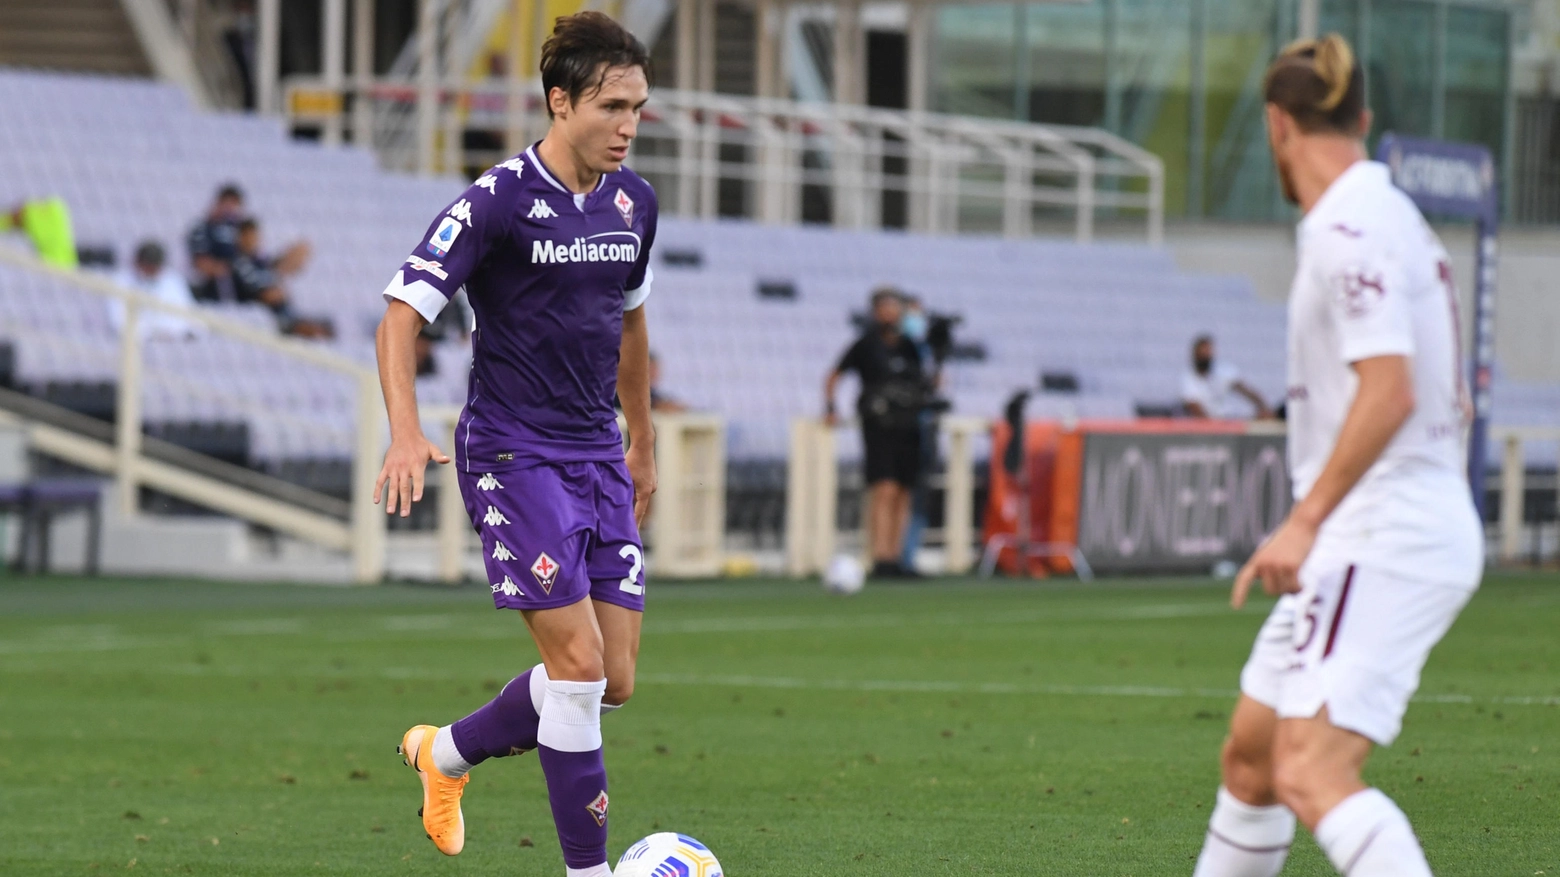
x=914, y=326
x=1203, y=365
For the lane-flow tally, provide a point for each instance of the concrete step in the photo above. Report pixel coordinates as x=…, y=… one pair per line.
x=88, y=35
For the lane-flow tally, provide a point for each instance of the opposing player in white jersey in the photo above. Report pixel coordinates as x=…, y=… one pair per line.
x=1383, y=547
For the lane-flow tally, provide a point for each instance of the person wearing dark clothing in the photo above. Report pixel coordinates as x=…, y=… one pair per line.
x=255, y=277
x=213, y=244
x=218, y=253
x=894, y=392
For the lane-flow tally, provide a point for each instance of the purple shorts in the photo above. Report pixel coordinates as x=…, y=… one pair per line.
x=555, y=534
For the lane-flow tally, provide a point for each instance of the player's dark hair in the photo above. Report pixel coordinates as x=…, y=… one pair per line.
x=230, y=190
x=1202, y=339
x=582, y=48
x=1319, y=83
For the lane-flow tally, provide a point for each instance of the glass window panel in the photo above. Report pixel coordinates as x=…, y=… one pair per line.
x=1151, y=67
x=1067, y=63
x=1243, y=37
x=1476, y=65
x=1401, y=66
x=974, y=70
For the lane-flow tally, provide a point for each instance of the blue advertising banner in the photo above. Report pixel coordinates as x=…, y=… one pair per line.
x=1458, y=179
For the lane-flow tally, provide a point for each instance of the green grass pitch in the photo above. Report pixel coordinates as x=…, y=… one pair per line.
x=948, y=728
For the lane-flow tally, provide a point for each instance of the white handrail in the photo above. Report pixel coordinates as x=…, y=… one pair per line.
x=684, y=135
x=131, y=468
x=812, y=494
x=1513, y=472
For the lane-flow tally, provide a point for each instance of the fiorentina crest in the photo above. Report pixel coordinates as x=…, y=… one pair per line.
x=598, y=808
x=625, y=206
x=546, y=571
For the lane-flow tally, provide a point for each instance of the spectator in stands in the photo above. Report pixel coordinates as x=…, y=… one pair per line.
x=151, y=276
x=894, y=393
x=659, y=401
x=1209, y=388
x=214, y=246
x=46, y=222
x=258, y=278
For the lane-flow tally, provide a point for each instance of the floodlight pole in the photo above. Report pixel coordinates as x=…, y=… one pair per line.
x=1309, y=25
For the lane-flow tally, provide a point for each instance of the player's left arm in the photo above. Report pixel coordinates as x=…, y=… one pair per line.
x=634, y=378
x=1368, y=303
x=1255, y=398
x=634, y=394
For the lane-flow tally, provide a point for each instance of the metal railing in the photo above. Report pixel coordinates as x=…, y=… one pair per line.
x=686, y=527
x=781, y=161
x=362, y=534
x=812, y=488
x=1513, y=484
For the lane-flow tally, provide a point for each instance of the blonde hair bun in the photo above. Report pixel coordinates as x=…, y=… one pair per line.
x=1335, y=65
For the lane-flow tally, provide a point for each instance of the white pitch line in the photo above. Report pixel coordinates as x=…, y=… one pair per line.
x=1007, y=688
x=108, y=637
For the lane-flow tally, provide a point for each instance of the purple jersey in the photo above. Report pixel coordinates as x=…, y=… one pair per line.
x=549, y=274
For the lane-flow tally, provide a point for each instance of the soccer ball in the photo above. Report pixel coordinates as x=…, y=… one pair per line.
x=845, y=575
x=668, y=854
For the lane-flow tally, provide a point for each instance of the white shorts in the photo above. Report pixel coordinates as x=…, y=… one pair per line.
x=1354, y=640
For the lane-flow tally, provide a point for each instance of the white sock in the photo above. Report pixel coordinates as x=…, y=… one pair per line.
x=539, y=682
x=600, y=870
x=446, y=758
x=1368, y=836
x=571, y=716
x=1245, y=841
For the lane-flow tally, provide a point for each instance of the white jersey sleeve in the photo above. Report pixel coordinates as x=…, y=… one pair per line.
x=1368, y=295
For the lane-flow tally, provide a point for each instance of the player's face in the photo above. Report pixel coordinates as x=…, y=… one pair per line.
x=601, y=124
x=1281, y=130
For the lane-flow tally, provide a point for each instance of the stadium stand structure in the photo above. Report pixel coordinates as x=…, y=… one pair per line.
x=135, y=160
x=94, y=35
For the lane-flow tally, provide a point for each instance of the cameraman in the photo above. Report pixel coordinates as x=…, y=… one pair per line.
x=894, y=392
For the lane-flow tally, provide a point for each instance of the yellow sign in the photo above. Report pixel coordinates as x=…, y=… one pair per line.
x=316, y=102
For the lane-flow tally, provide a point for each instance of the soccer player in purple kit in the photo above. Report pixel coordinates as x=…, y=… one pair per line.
x=552, y=248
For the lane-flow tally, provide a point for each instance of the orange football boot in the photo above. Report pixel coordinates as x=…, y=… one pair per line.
x=440, y=812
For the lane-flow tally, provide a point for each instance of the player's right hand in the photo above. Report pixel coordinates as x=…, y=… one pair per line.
x=405, y=464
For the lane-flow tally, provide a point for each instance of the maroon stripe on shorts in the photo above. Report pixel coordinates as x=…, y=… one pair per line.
x=1343, y=602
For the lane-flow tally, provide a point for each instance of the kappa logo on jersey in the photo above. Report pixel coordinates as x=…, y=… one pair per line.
x=513, y=164
x=494, y=517
x=540, y=210
x=487, y=483
x=488, y=182
x=625, y=206
x=462, y=211
x=598, y=805
x=1359, y=291
x=546, y=571
x=502, y=553
x=444, y=236
x=1347, y=232
x=434, y=268
x=508, y=588
x=584, y=250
